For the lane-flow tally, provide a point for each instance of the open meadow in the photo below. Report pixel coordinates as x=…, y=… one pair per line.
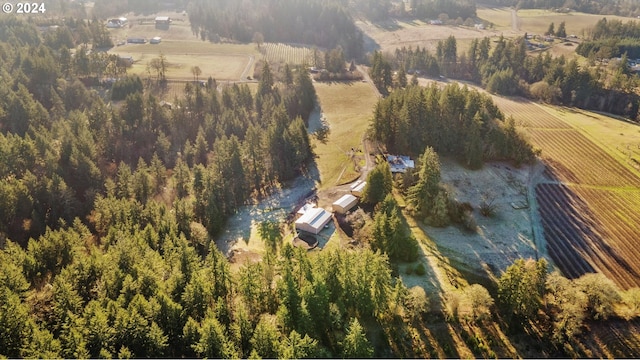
x=347, y=108
x=536, y=21
x=393, y=34
x=589, y=198
x=183, y=50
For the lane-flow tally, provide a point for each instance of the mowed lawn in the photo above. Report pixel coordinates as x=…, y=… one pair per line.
x=220, y=61
x=348, y=108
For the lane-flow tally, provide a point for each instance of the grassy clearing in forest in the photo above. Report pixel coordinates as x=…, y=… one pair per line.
x=221, y=62
x=347, y=108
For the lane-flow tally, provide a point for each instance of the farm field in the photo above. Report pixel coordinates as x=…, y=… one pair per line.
x=347, y=108
x=619, y=137
x=285, y=53
x=537, y=21
x=573, y=158
x=591, y=230
x=222, y=62
x=529, y=114
x=394, y=34
x=589, y=202
x=500, y=17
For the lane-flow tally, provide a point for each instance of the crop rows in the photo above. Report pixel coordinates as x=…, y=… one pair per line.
x=574, y=158
x=285, y=53
x=529, y=115
x=591, y=230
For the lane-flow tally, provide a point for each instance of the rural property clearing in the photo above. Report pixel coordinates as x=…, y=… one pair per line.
x=347, y=108
x=589, y=199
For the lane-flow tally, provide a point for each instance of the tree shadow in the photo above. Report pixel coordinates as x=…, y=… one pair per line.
x=576, y=239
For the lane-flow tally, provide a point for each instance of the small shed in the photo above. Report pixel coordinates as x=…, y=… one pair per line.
x=163, y=20
x=313, y=220
x=358, y=187
x=344, y=204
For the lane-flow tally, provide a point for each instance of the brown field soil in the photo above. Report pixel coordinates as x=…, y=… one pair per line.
x=589, y=202
x=589, y=230
x=613, y=339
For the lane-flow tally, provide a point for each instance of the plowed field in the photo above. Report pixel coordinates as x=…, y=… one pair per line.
x=589, y=205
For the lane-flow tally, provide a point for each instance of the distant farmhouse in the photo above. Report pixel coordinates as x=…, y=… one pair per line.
x=163, y=22
x=400, y=163
x=117, y=23
x=136, y=40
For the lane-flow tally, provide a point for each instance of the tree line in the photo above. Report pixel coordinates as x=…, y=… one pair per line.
x=601, y=7
x=505, y=68
x=422, y=9
x=319, y=22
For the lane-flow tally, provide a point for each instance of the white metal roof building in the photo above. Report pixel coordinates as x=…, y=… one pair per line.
x=313, y=220
x=344, y=204
x=358, y=187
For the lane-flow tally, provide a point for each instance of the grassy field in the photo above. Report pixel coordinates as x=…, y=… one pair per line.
x=619, y=138
x=347, y=107
x=220, y=61
x=500, y=17
x=537, y=21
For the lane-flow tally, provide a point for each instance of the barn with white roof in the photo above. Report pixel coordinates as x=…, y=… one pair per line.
x=313, y=220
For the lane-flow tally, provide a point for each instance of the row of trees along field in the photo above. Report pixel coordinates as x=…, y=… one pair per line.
x=376, y=10
x=611, y=38
x=505, y=68
x=318, y=22
x=602, y=7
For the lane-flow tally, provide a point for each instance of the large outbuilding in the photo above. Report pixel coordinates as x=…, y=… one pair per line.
x=313, y=220
x=344, y=204
x=357, y=187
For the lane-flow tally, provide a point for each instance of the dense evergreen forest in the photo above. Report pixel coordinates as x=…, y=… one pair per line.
x=611, y=38
x=453, y=121
x=602, y=7
x=503, y=66
x=318, y=22
x=110, y=202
